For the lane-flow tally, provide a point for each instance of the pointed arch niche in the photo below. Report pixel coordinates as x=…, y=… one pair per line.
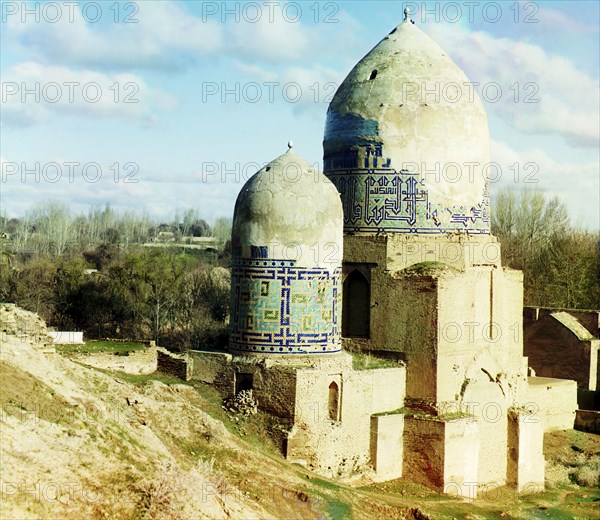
x=334, y=401
x=356, y=308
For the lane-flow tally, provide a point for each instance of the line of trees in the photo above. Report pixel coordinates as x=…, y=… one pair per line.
x=91, y=273
x=560, y=261
x=50, y=229
x=169, y=296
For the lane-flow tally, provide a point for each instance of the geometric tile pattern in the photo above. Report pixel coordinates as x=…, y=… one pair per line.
x=280, y=308
x=384, y=200
x=379, y=198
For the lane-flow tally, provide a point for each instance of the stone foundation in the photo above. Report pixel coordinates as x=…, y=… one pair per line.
x=553, y=401
x=442, y=455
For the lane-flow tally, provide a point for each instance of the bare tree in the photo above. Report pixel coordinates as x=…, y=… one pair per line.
x=53, y=227
x=222, y=229
x=561, y=264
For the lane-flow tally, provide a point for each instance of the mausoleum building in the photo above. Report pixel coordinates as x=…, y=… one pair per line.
x=388, y=256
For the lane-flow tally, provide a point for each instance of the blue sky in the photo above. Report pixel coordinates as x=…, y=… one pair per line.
x=160, y=106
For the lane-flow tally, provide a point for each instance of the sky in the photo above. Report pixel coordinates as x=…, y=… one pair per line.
x=161, y=106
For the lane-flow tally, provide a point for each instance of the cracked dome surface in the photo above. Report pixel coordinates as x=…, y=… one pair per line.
x=288, y=204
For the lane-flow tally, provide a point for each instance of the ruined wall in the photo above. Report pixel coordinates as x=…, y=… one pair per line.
x=273, y=386
x=559, y=346
x=438, y=317
x=424, y=451
x=340, y=443
x=486, y=401
x=387, y=445
x=209, y=367
x=479, y=321
x=178, y=365
x=25, y=325
x=397, y=252
x=588, y=421
x=444, y=321
x=525, y=452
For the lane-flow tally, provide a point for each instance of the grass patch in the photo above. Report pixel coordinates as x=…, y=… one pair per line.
x=409, y=412
x=28, y=398
x=367, y=361
x=325, y=484
x=330, y=499
x=99, y=346
x=140, y=379
x=391, y=412
x=339, y=510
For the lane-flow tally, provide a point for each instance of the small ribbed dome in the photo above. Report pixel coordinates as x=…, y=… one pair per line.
x=408, y=108
x=289, y=202
x=286, y=267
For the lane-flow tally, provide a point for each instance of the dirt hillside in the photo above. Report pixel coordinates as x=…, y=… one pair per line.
x=84, y=441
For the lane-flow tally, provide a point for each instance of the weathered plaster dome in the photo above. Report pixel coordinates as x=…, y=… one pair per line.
x=286, y=266
x=407, y=142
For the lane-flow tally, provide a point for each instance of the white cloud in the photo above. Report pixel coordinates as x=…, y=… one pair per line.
x=31, y=92
x=576, y=184
x=271, y=38
x=165, y=36
x=82, y=186
x=563, y=99
x=556, y=20
x=303, y=88
x=160, y=35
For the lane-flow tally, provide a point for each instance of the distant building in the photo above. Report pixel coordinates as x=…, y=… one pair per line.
x=566, y=343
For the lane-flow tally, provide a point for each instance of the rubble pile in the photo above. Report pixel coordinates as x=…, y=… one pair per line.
x=243, y=403
x=24, y=325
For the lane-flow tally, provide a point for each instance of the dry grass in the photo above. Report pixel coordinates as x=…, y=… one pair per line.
x=171, y=491
x=573, y=458
x=587, y=472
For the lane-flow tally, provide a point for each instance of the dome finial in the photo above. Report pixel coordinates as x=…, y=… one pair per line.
x=290, y=144
x=406, y=14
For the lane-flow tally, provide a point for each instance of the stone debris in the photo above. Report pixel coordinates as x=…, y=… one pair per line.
x=24, y=325
x=242, y=403
x=140, y=411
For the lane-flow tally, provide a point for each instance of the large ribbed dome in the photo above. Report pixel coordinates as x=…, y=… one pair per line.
x=287, y=256
x=407, y=142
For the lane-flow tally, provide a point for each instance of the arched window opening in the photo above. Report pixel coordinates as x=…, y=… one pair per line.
x=334, y=401
x=356, y=307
